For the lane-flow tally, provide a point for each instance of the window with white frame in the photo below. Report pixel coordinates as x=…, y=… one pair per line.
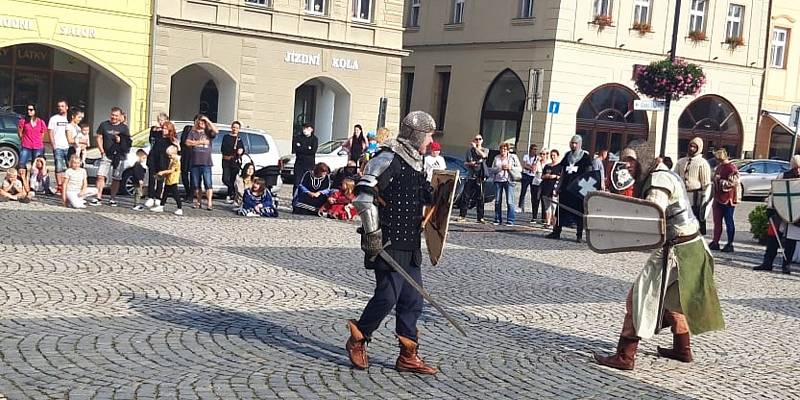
x=458, y=11
x=602, y=8
x=265, y=3
x=697, y=16
x=316, y=6
x=414, y=13
x=641, y=12
x=733, y=27
x=778, y=48
x=526, y=9
x=362, y=10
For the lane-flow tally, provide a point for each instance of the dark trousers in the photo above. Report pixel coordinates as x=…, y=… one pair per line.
x=772, y=251
x=527, y=181
x=186, y=178
x=392, y=291
x=155, y=185
x=788, y=250
x=564, y=217
x=229, y=171
x=171, y=191
x=473, y=189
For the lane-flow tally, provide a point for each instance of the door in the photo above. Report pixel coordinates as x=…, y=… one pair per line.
x=305, y=99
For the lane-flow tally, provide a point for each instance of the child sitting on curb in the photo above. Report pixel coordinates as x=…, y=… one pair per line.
x=257, y=201
x=339, y=205
x=76, y=187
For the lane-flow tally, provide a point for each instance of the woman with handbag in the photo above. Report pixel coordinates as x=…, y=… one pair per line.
x=506, y=169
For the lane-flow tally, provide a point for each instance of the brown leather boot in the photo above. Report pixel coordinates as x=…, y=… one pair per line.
x=357, y=346
x=409, y=361
x=623, y=359
x=680, y=350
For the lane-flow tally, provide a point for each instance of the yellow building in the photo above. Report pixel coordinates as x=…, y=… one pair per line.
x=470, y=67
x=781, y=82
x=93, y=53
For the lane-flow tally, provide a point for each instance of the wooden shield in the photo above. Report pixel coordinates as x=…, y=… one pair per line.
x=437, y=216
x=786, y=199
x=617, y=223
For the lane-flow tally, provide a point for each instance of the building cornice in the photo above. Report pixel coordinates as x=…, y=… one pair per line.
x=542, y=43
x=202, y=26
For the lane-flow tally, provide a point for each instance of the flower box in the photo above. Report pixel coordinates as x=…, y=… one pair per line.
x=734, y=42
x=642, y=28
x=697, y=36
x=602, y=21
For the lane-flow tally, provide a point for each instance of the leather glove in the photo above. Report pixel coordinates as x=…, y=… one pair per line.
x=371, y=243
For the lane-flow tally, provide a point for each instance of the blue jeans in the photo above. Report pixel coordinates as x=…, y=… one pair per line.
x=508, y=189
x=28, y=155
x=60, y=159
x=201, y=173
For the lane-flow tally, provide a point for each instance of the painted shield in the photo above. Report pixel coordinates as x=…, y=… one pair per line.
x=585, y=183
x=621, y=177
x=617, y=223
x=437, y=216
x=786, y=199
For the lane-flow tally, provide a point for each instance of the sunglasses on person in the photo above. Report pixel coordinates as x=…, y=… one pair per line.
x=31, y=109
x=477, y=139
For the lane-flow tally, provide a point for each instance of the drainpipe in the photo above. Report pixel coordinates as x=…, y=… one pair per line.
x=151, y=80
x=763, y=86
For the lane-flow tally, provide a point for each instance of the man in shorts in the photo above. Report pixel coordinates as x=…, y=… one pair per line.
x=114, y=141
x=57, y=128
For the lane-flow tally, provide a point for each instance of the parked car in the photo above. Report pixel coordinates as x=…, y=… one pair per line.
x=330, y=153
x=9, y=141
x=457, y=164
x=756, y=175
x=260, y=149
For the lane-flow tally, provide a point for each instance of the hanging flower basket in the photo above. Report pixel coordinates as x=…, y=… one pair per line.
x=642, y=28
x=602, y=21
x=734, y=42
x=697, y=36
x=669, y=80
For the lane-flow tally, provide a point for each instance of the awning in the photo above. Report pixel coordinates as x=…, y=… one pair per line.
x=780, y=118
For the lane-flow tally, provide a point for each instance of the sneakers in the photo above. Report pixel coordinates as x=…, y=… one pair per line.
x=112, y=203
x=481, y=221
x=228, y=200
x=94, y=202
x=495, y=223
x=519, y=210
x=157, y=209
x=251, y=214
x=139, y=207
x=149, y=203
x=178, y=212
x=509, y=224
x=460, y=219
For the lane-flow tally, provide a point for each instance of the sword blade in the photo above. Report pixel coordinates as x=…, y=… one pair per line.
x=569, y=209
x=397, y=268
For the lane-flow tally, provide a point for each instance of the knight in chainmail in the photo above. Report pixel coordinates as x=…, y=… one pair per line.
x=390, y=199
x=690, y=304
x=575, y=162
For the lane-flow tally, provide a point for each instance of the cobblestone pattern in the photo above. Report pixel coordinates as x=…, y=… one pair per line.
x=115, y=304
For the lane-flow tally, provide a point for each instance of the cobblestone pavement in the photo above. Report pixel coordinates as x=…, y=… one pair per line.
x=109, y=303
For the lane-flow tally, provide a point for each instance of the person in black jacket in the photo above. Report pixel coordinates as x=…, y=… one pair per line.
x=575, y=162
x=157, y=151
x=304, y=147
x=232, y=149
x=186, y=161
x=114, y=141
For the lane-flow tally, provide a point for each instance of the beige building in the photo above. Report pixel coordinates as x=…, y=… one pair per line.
x=781, y=82
x=470, y=67
x=277, y=64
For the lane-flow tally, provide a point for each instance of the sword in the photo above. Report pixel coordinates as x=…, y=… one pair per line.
x=569, y=209
x=778, y=239
x=397, y=268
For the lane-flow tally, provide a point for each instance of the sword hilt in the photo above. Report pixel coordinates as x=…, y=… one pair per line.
x=385, y=245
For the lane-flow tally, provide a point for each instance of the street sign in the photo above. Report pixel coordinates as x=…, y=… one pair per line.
x=553, y=106
x=648, y=105
x=794, y=116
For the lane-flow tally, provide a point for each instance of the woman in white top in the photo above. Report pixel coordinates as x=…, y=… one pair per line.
x=532, y=164
x=506, y=168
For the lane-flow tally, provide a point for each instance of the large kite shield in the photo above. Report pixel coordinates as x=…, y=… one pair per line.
x=617, y=223
x=786, y=199
x=437, y=216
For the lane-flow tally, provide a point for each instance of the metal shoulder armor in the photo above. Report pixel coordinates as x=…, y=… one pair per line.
x=367, y=189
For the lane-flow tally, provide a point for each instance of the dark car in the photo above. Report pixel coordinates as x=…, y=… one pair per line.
x=457, y=164
x=9, y=141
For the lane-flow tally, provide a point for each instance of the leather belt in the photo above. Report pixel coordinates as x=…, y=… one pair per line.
x=683, y=239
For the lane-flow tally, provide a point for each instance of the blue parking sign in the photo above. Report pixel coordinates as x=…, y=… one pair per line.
x=553, y=107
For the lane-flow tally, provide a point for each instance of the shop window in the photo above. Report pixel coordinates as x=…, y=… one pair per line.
x=5, y=90
x=606, y=119
x=641, y=12
x=697, y=16
x=414, y=13
x=34, y=55
x=362, y=10
x=458, y=11
x=526, y=9
x=777, y=57
x=733, y=27
x=503, y=108
x=714, y=120
x=263, y=3
x=780, y=143
x=407, y=88
x=602, y=8
x=316, y=6
x=442, y=92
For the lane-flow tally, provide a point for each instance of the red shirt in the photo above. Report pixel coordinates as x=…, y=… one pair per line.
x=32, y=136
x=726, y=183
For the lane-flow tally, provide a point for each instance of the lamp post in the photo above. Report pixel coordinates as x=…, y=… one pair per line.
x=668, y=100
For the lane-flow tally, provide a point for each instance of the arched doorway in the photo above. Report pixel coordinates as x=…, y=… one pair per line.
x=502, y=110
x=40, y=74
x=606, y=119
x=325, y=103
x=202, y=88
x=780, y=143
x=714, y=120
